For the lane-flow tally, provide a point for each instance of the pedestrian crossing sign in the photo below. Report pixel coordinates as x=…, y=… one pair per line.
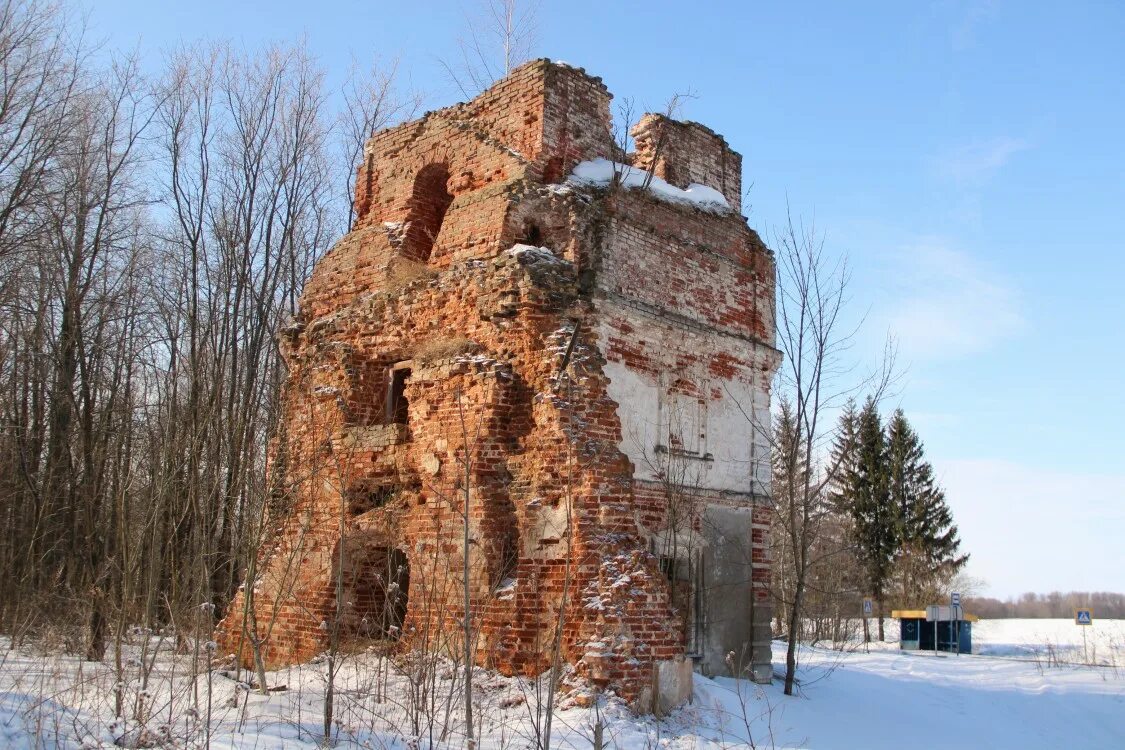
x=1083, y=617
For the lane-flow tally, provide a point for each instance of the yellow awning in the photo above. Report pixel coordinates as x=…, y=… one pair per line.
x=920, y=614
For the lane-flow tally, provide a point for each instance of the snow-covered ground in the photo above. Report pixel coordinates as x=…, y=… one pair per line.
x=1024, y=687
x=1052, y=640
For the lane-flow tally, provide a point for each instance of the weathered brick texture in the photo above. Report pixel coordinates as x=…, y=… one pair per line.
x=438, y=360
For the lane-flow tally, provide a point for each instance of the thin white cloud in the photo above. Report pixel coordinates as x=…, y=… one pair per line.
x=974, y=15
x=978, y=161
x=945, y=305
x=1036, y=528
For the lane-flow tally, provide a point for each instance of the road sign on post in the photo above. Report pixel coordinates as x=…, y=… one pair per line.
x=1084, y=616
x=955, y=620
x=868, y=608
x=938, y=612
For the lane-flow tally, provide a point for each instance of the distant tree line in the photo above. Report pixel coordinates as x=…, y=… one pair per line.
x=1105, y=604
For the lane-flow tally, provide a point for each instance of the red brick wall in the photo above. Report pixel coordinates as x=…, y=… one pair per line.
x=686, y=152
x=708, y=268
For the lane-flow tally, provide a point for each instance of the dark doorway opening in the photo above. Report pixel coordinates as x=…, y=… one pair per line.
x=685, y=581
x=397, y=406
x=376, y=587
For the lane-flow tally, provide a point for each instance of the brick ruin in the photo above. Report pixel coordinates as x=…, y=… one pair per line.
x=583, y=361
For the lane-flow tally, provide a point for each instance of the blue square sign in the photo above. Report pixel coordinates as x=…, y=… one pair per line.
x=1084, y=616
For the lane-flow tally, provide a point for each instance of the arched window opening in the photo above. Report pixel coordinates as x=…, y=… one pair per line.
x=376, y=586
x=504, y=565
x=429, y=201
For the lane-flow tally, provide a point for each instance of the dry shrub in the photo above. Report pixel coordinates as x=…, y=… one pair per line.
x=59, y=636
x=444, y=348
x=404, y=271
x=51, y=623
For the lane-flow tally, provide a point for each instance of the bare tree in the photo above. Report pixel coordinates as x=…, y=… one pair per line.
x=372, y=101
x=139, y=370
x=500, y=37
x=37, y=95
x=40, y=103
x=814, y=339
x=90, y=251
x=244, y=144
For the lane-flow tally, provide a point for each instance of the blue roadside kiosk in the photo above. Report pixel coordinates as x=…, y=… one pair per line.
x=918, y=629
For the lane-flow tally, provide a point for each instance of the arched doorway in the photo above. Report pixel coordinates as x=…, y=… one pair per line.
x=429, y=201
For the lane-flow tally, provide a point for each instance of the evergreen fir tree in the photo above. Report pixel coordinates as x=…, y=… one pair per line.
x=842, y=459
x=929, y=544
x=847, y=571
x=873, y=514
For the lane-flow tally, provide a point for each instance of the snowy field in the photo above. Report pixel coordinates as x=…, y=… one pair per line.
x=1029, y=684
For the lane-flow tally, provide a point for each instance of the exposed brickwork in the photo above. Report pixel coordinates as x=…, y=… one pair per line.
x=687, y=152
x=426, y=368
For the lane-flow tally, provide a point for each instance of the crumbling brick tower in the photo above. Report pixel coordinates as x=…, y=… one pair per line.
x=582, y=352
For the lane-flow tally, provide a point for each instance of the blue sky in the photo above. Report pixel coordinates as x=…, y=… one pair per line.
x=969, y=157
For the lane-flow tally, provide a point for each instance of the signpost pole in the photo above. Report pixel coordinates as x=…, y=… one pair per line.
x=1084, y=617
x=955, y=615
x=952, y=612
x=867, y=609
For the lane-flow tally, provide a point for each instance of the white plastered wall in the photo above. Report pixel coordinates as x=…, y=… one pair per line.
x=733, y=450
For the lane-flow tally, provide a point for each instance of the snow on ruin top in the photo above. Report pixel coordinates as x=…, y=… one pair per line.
x=534, y=254
x=601, y=171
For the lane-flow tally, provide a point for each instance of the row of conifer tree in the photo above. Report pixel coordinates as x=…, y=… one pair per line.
x=882, y=528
